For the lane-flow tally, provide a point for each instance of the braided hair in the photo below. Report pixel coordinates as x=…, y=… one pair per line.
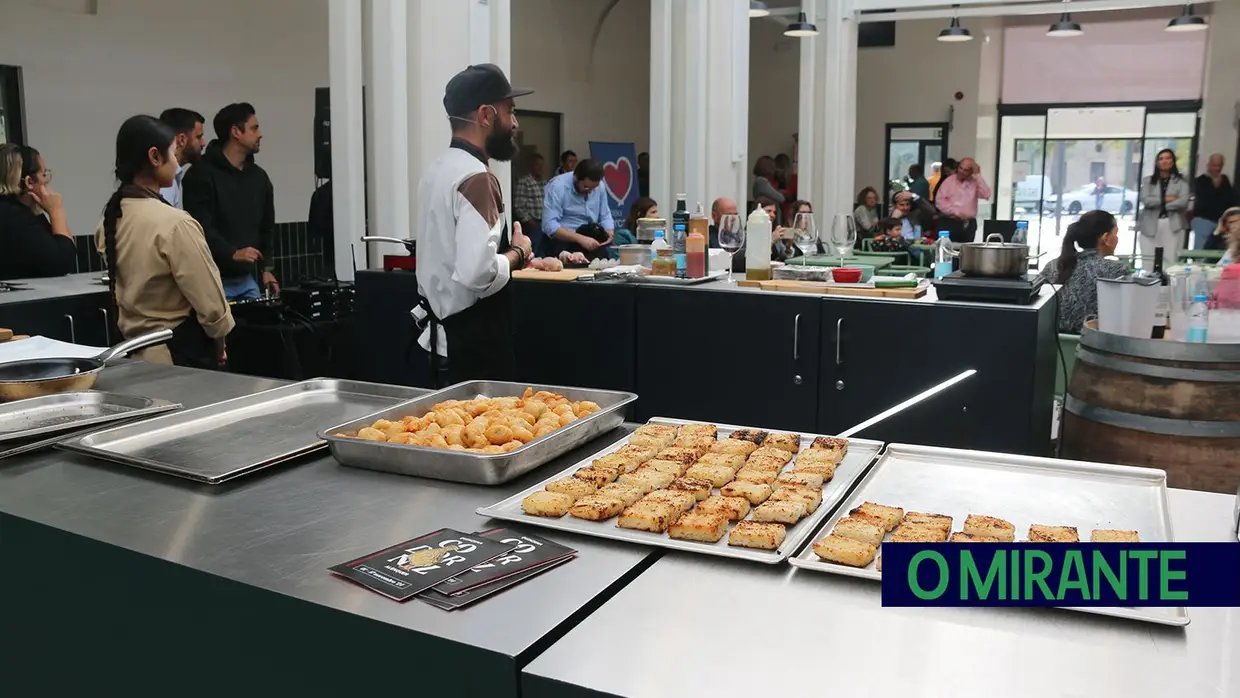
x=134, y=141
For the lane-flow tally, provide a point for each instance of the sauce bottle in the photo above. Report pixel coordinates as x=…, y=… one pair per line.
x=695, y=254
x=758, y=245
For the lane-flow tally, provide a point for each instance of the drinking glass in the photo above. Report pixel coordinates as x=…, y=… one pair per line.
x=843, y=235
x=805, y=232
x=731, y=237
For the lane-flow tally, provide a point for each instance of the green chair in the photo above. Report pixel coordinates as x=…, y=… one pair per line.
x=1063, y=366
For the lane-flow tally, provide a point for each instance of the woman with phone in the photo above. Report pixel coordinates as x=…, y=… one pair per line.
x=35, y=240
x=160, y=270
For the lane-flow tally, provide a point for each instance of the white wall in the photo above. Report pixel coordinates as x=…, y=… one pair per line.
x=915, y=81
x=551, y=48
x=1221, y=95
x=774, y=89
x=84, y=74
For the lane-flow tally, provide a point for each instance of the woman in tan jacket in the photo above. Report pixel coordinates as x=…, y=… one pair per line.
x=160, y=271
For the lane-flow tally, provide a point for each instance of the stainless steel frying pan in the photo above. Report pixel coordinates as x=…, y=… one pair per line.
x=37, y=377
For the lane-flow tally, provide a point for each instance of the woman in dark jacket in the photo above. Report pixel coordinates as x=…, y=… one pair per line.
x=35, y=240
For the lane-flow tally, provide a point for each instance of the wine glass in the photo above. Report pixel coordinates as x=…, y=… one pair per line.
x=731, y=237
x=804, y=232
x=843, y=235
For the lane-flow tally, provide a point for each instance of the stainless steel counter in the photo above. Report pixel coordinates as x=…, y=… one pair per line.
x=55, y=287
x=281, y=530
x=692, y=626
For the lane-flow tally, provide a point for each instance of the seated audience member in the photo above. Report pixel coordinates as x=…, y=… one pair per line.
x=568, y=162
x=866, y=213
x=902, y=209
x=721, y=207
x=161, y=274
x=917, y=183
x=1228, y=234
x=527, y=195
x=1097, y=235
x=763, y=185
x=783, y=246
x=644, y=207
x=576, y=213
x=891, y=236
x=35, y=240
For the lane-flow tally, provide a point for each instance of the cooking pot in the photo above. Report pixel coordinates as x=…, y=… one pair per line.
x=994, y=259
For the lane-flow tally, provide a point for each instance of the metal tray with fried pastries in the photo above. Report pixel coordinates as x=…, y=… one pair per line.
x=1013, y=489
x=861, y=453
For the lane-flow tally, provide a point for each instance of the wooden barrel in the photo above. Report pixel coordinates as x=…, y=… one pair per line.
x=1159, y=404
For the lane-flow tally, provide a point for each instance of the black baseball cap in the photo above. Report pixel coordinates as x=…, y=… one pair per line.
x=477, y=85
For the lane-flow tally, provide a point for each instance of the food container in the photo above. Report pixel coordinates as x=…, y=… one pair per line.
x=847, y=275
x=646, y=228
x=636, y=254
x=993, y=258
x=1126, y=305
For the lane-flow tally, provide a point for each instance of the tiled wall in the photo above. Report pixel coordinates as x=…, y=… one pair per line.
x=297, y=257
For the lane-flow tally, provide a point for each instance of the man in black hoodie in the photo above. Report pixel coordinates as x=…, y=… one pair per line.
x=232, y=198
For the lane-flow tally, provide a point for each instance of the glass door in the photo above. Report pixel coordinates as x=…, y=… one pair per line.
x=909, y=145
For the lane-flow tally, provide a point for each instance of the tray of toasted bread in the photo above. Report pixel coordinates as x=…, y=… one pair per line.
x=927, y=494
x=715, y=489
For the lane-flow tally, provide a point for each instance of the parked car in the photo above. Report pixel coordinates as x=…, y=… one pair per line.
x=1033, y=193
x=1114, y=199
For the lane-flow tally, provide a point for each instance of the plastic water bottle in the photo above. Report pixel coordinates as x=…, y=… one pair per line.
x=1198, y=320
x=942, y=255
x=660, y=243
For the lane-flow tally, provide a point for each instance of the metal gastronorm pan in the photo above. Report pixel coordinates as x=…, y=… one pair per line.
x=61, y=412
x=1021, y=489
x=860, y=455
x=228, y=439
x=475, y=468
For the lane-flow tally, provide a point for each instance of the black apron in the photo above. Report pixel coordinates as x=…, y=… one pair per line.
x=191, y=347
x=480, y=337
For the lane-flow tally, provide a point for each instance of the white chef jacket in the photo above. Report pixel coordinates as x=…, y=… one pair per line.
x=460, y=223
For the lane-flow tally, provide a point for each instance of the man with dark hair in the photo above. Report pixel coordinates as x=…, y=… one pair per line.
x=232, y=198
x=465, y=255
x=187, y=124
x=576, y=213
x=917, y=182
x=568, y=162
x=946, y=170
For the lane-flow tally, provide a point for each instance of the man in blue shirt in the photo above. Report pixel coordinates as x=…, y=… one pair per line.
x=572, y=200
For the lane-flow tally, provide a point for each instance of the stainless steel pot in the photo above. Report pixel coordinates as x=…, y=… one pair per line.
x=994, y=259
x=635, y=254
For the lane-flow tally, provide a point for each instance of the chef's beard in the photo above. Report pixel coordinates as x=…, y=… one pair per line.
x=501, y=145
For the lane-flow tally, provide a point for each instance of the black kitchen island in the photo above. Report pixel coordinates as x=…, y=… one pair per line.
x=740, y=356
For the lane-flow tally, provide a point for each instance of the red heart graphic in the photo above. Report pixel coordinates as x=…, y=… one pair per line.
x=619, y=178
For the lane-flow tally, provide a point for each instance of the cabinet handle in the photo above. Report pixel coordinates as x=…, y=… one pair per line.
x=796, y=337
x=72, y=334
x=107, y=327
x=839, y=333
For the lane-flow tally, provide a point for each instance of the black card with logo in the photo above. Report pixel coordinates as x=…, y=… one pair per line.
x=416, y=565
x=527, y=551
x=464, y=598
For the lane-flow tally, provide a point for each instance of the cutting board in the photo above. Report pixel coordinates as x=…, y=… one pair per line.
x=831, y=289
x=562, y=275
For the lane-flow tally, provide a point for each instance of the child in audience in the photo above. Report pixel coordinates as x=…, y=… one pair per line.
x=890, y=237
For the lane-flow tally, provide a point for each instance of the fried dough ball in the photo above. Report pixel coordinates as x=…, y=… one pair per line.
x=405, y=437
x=529, y=392
x=499, y=434
x=446, y=418
x=522, y=433
x=381, y=425
x=479, y=441
x=454, y=435
x=371, y=434
x=436, y=441
x=584, y=408
x=534, y=408
x=492, y=449
x=566, y=419
x=511, y=446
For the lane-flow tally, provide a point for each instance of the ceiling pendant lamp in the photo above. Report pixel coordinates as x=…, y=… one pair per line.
x=757, y=8
x=954, y=33
x=1187, y=21
x=1065, y=27
x=801, y=27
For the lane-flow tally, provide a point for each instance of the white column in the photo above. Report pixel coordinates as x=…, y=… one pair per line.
x=808, y=157
x=836, y=93
x=727, y=114
x=344, y=46
x=1220, y=113
x=444, y=38
x=390, y=118
x=661, y=103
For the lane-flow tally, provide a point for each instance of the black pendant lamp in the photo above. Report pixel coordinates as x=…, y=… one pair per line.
x=1187, y=21
x=757, y=8
x=801, y=27
x=1065, y=27
x=954, y=33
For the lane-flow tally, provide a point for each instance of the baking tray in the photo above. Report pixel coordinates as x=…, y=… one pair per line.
x=674, y=281
x=228, y=439
x=475, y=468
x=1020, y=489
x=54, y=414
x=861, y=454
